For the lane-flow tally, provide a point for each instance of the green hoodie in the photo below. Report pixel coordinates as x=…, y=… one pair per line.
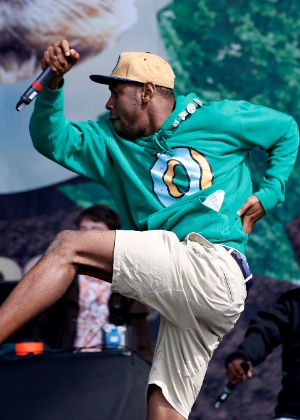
x=162, y=181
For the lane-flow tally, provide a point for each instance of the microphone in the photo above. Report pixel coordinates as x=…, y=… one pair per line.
x=36, y=87
x=229, y=387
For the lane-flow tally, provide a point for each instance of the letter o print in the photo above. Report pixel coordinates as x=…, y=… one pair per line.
x=197, y=170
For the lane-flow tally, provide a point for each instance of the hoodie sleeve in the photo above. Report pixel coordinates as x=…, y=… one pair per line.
x=277, y=133
x=78, y=146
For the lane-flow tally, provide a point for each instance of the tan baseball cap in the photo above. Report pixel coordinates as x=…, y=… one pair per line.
x=139, y=67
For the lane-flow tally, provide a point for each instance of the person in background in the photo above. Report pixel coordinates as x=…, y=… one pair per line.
x=77, y=318
x=279, y=323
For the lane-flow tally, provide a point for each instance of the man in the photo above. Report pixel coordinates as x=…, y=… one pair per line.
x=179, y=174
x=277, y=324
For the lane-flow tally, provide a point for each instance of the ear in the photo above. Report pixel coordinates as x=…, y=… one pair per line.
x=148, y=92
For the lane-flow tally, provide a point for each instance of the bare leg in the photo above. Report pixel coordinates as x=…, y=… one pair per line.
x=159, y=408
x=71, y=252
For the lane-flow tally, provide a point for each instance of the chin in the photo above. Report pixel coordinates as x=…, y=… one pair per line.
x=127, y=136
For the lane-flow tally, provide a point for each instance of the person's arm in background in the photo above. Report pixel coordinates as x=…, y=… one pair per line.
x=133, y=314
x=137, y=321
x=267, y=330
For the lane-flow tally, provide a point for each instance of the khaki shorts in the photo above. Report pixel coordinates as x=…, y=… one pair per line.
x=199, y=290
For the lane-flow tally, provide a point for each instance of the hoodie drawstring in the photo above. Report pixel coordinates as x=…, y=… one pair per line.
x=161, y=143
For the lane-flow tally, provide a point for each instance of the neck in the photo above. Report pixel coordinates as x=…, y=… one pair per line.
x=158, y=116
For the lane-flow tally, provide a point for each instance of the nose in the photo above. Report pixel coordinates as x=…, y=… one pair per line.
x=109, y=104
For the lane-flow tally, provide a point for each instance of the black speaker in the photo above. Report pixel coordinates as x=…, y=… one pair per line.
x=107, y=385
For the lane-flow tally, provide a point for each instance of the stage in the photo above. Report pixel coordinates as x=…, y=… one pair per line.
x=107, y=385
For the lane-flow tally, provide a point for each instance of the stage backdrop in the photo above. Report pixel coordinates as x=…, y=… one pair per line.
x=225, y=49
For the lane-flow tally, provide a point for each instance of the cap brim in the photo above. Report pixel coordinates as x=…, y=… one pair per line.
x=106, y=80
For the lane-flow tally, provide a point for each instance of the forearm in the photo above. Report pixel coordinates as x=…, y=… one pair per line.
x=46, y=120
x=264, y=334
x=78, y=146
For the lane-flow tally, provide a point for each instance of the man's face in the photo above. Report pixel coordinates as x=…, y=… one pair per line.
x=87, y=224
x=125, y=108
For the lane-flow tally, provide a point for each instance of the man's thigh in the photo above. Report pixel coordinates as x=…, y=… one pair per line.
x=184, y=281
x=198, y=289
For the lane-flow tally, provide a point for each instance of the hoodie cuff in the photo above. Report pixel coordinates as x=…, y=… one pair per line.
x=268, y=199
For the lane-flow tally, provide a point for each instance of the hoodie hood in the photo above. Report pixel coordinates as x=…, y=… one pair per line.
x=185, y=108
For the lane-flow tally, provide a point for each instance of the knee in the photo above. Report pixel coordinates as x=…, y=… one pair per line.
x=63, y=244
